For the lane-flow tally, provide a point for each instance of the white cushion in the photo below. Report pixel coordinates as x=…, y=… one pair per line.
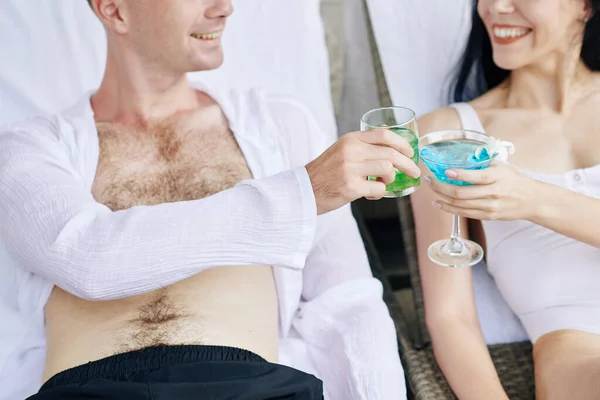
x=419, y=44
x=51, y=51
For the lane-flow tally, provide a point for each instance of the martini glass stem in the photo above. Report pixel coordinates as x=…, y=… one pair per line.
x=456, y=244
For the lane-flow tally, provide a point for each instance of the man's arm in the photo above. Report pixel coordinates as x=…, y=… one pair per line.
x=343, y=318
x=51, y=224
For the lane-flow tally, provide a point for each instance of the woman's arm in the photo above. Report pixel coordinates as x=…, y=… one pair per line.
x=568, y=213
x=502, y=192
x=451, y=315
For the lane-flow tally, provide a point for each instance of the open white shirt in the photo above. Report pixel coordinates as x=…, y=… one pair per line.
x=333, y=321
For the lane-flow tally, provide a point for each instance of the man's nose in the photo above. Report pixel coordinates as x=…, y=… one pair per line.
x=219, y=9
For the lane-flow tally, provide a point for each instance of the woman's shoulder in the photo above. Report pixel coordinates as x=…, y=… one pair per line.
x=592, y=94
x=449, y=117
x=442, y=118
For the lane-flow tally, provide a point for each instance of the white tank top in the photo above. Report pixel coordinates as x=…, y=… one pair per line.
x=550, y=281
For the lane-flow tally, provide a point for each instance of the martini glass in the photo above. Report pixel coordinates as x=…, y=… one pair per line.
x=457, y=149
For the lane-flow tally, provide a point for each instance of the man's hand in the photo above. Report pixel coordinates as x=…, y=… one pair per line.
x=339, y=175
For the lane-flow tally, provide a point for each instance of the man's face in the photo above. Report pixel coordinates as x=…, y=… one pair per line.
x=179, y=35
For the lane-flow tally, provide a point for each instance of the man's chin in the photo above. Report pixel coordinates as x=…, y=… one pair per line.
x=207, y=65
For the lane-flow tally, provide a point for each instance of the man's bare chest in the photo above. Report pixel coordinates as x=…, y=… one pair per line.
x=163, y=166
x=148, y=168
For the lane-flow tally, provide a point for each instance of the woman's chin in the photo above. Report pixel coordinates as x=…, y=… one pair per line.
x=508, y=63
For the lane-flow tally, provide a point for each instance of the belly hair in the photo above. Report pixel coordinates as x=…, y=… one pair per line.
x=157, y=322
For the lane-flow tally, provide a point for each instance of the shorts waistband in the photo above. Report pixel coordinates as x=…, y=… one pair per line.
x=147, y=359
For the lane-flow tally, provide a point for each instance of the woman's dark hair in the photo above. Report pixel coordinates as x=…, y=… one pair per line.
x=477, y=72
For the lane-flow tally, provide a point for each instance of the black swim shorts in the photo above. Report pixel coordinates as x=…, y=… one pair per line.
x=182, y=373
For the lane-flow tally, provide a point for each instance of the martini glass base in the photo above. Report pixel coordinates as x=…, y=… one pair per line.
x=466, y=253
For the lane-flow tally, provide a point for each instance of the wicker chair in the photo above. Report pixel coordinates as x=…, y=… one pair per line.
x=424, y=379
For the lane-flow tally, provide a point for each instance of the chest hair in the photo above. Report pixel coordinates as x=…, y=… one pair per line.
x=162, y=164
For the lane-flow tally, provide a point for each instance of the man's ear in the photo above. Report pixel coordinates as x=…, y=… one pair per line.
x=113, y=14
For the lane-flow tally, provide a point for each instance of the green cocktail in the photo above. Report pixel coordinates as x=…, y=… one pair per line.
x=401, y=121
x=403, y=184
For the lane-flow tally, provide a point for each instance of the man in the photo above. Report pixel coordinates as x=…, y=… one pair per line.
x=179, y=226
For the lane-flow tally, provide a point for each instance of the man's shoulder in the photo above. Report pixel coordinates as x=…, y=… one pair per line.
x=297, y=129
x=47, y=126
x=265, y=118
x=254, y=105
x=268, y=104
x=37, y=126
x=284, y=117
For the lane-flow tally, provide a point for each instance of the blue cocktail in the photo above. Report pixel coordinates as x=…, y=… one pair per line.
x=458, y=149
x=459, y=154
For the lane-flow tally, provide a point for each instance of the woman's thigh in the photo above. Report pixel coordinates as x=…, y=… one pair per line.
x=567, y=366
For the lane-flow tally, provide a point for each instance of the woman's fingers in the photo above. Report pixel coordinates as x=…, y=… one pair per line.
x=468, y=192
x=464, y=212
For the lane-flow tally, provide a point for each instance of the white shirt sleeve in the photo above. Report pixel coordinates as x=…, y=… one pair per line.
x=52, y=226
x=350, y=335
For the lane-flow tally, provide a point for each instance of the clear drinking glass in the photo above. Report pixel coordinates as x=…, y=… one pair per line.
x=454, y=149
x=403, y=122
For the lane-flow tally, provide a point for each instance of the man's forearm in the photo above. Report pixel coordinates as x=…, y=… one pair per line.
x=465, y=361
x=568, y=213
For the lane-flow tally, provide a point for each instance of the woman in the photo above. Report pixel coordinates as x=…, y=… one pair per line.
x=536, y=83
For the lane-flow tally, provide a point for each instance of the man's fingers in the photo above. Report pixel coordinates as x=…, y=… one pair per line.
x=382, y=169
x=373, y=190
x=398, y=160
x=384, y=137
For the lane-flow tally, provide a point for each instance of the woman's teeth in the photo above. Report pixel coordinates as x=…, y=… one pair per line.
x=207, y=36
x=506, y=33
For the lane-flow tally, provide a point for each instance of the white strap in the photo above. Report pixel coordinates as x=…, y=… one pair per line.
x=468, y=117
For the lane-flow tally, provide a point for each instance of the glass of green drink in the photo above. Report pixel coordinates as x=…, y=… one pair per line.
x=403, y=122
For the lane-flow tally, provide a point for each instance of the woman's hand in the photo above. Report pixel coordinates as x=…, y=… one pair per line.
x=500, y=192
